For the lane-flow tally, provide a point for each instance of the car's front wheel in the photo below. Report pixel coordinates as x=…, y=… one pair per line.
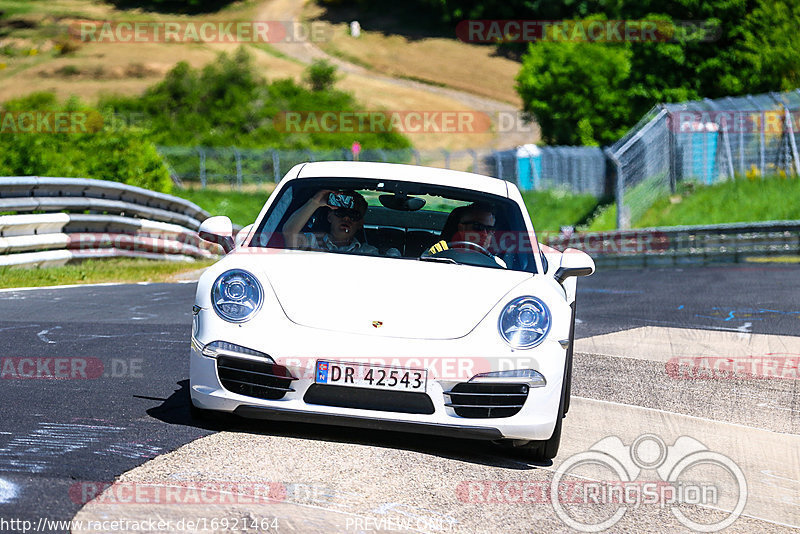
x=543, y=450
x=201, y=415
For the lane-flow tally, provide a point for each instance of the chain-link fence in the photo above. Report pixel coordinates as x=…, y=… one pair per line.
x=578, y=169
x=232, y=166
x=704, y=141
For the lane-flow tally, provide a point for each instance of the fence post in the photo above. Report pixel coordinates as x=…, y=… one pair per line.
x=622, y=223
x=446, y=154
x=202, y=151
x=792, y=143
x=238, y=157
x=276, y=166
x=673, y=175
x=723, y=126
x=762, y=142
x=499, y=165
x=741, y=144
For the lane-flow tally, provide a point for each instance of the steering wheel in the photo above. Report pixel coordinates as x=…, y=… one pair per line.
x=475, y=246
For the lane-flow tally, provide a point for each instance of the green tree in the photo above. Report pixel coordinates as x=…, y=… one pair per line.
x=576, y=92
x=770, y=47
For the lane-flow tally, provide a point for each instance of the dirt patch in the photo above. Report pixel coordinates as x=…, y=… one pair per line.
x=435, y=60
x=100, y=72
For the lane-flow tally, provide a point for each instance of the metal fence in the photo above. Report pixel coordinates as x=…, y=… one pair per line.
x=232, y=166
x=579, y=169
x=50, y=221
x=704, y=141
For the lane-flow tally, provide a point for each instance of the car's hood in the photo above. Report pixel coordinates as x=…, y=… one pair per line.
x=386, y=297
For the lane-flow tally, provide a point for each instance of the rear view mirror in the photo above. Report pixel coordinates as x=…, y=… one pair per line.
x=402, y=202
x=218, y=230
x=574, y=262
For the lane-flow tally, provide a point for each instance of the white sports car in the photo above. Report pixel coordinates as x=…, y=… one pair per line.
x=390, y=296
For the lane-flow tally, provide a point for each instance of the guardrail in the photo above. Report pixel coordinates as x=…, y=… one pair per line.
x=112, y=220
x=685, y=245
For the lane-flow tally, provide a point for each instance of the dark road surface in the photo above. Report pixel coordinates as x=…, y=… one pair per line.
x=121, y=355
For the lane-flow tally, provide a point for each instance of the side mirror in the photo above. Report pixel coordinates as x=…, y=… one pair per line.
x=218, y=230
x=243, y=234
x=574, y=262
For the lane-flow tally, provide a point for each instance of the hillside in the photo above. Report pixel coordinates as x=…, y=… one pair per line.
x=36, y=54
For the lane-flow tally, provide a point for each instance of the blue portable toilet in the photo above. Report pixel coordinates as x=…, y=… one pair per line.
x=529, y=167
x=699, y=141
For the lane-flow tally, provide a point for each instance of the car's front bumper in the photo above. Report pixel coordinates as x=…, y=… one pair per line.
x=289, y=342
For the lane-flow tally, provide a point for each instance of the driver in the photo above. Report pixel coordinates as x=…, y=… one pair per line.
x=345, y=223
x=474, y=223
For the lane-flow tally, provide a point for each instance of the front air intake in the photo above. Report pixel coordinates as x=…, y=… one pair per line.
x=482, y=401
x=254, y=379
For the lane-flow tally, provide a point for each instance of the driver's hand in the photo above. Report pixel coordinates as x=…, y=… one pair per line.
x=320, y=199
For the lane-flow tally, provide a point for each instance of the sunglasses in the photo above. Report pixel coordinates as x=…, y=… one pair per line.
x=479, y=227
x=353, y=215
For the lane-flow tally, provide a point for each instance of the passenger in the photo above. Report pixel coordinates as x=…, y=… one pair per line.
x=344, y=224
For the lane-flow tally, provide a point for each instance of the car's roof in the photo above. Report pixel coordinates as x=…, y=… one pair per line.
x=399, y=172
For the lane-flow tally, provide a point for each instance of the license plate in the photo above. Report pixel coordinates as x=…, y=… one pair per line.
x=364, y=375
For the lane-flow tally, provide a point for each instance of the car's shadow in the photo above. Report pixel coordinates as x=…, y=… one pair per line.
x=175, y=410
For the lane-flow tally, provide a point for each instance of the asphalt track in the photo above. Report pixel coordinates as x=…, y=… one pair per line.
x=133, y=404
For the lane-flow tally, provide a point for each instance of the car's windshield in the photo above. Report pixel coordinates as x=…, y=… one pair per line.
x=398, y=220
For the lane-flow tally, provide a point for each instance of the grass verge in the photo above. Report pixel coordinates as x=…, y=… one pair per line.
x=740, y=200
x=734, y=201
x=98, y=271
x=550, y=210
x=241, y=206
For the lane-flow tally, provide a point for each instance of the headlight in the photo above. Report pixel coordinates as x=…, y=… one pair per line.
x=525, y=322
x=236, y=296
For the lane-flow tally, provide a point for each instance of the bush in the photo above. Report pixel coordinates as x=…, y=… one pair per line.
x=123, y=155
x=229, y=103
x=320, y=75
